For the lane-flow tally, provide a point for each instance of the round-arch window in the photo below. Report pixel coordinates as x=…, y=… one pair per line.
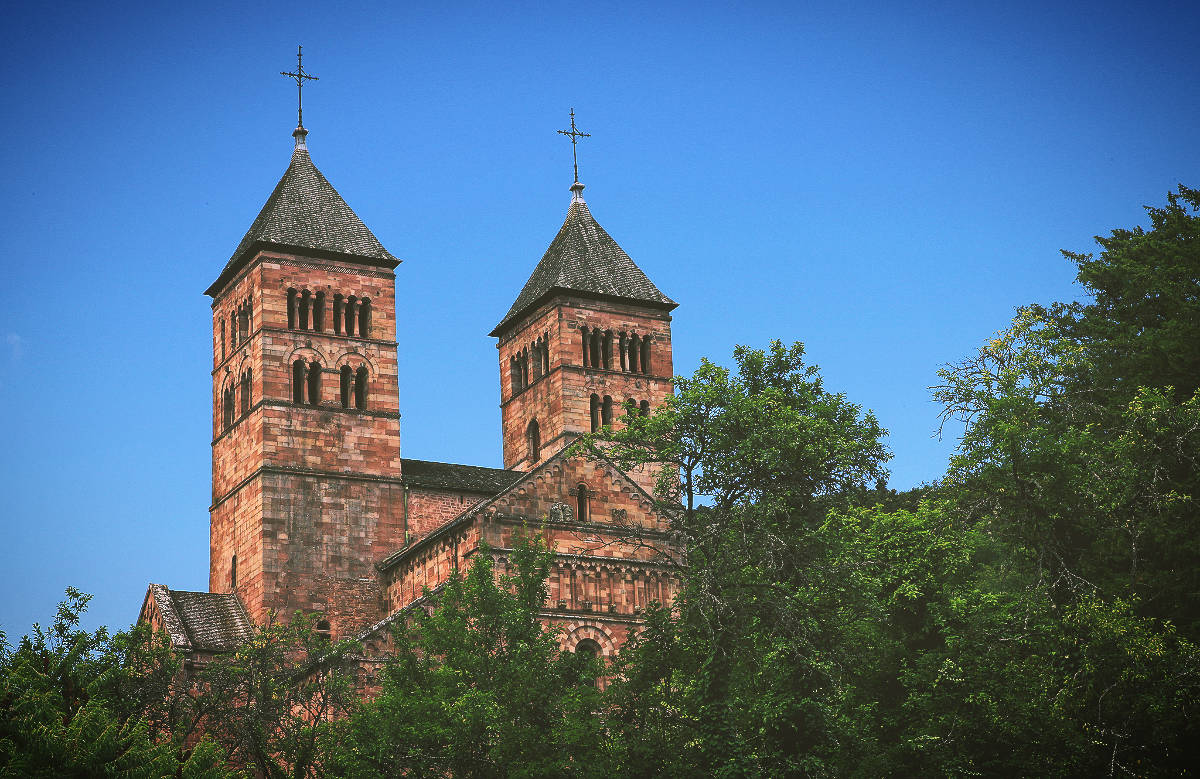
x=588, y=647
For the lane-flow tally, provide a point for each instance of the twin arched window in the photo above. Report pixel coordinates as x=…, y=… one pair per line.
x=240, y=322
x=529, y=363
x=606, y=350
x=354, y=386
x=306, y=311
x=602, y=410
x=306, y=382
x=230, y=411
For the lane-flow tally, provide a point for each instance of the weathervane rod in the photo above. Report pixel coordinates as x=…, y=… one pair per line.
x=574, y=135
x=300, y=76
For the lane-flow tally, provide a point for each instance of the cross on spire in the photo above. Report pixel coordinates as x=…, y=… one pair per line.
x=574, y=135
x=300, y=77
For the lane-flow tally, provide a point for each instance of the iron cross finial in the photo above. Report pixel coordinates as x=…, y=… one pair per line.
x=300, y=76
x=574, y=135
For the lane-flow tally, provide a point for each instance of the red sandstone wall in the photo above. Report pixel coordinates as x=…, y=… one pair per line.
x=561, y=400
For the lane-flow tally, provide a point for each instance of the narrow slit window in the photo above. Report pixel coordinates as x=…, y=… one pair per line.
x=245, y=392
x=646, y=355
x=595, y=413
x=222, y=338
x=351, y=313
x=606, y=412
x=314, y=383
x=635, y=345
x=233, y=573
x=360, y=388
x=298, y=381
x=337, y=314
x=305, y=305
x=319, y=312
x=364, y=318
x=291, y=309
x=583, y=332
x=581, y=502
x=533, y=437
x=347, y=380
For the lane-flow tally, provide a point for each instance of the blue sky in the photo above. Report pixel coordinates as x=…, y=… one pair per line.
x=884, y=182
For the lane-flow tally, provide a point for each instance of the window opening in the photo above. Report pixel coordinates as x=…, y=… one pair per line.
x=298, y=381
x=314, y=383
x=533, y=437
x=646, y=354
x=246, y=392
x=635, y=344
x=606, y=411
x=291, y=310
x=337, y=314
x=345, y=386
x=351, y=312
x=360, y=388
x=364, y=318
x=645, y=408
x=583, y=333
x=595, y=413
x=581, y=502
x=233, y=573
x=319, y=312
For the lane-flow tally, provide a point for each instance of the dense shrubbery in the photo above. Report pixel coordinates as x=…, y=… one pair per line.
x=1036, y=612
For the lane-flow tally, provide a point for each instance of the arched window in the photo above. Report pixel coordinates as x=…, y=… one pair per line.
x=546, y=353
x=360, y=388
x=233, y=329
x=645, y=408
x=319, y=312
x=298, y=381
x=595, y=413
x=646, y=354
x=589, y=648
x=514, y=369
x=635, y=345
x=314, y=383
x=597, y=360
x=233, y=573
x=606, y=411
x=607, y=349
x=533, y=438
x=291, y=309
x=347, y=379
x=222, y=338
x=583, y=333
x=244, y=322
x=246, y=392
x=535, y=351
x=351, y=313
x=364, y=318
x=581, y=502
x=337, y=314
x=227, y=406
x=305, y=303
x=623, y=349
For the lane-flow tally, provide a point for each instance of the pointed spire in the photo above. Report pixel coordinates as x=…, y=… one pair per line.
x=306, y=215
x=584, y=260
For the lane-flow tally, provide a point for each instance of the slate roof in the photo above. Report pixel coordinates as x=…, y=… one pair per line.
x=583, y=258
x=470, y=478
x=202, y=621
x=306, y=214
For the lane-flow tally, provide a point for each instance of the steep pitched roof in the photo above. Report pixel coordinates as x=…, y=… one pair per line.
x=583, y=258
x=469, y=478
x=202, y=621
x=306, y=214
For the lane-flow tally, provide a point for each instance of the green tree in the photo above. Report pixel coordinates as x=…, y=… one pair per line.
x=81, y=704
x=478, y=686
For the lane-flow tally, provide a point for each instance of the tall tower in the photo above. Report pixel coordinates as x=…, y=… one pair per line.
x=588, y=332
x=306, y=425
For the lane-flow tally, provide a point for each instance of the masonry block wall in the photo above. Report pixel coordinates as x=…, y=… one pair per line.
x=307, y=489
x=561, y=400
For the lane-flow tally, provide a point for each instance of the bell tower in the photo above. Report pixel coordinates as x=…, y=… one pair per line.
x=306, y=427
x=588, y=333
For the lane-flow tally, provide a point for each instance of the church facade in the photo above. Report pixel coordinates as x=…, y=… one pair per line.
x=314, y=508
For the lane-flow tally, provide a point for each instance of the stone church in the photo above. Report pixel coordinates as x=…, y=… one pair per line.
x=314, y=508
